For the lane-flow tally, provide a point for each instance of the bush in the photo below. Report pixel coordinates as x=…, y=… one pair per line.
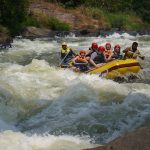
x=3, y=29
x=116, y=20
x=124, y=21
x=31, y=21
x=58, y=25
x=13, y=14
x=142, y=9
x=134, y=23
x=95, y=13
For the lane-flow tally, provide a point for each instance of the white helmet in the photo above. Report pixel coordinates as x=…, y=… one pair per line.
x=64, y=43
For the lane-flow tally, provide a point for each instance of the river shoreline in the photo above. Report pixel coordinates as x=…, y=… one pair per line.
x=33, y=32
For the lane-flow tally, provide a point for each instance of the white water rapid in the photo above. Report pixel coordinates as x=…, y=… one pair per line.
x=43, y=107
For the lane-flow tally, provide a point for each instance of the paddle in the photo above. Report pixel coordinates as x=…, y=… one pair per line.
x=63, y=59
x=80, y=63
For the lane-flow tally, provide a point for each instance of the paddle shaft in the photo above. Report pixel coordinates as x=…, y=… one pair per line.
x=63, y=59
x=80, y=63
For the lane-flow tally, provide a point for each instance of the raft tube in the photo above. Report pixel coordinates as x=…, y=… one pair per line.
x=117, y=68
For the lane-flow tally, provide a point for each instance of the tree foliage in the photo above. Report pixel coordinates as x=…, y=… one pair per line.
x=140, y=7
x=13, y=13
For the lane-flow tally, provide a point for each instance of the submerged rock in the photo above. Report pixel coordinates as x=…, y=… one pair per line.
x=33, y=32
x=136, y=140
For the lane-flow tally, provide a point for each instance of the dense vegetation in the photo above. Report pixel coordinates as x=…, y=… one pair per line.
x=140, y=7
x=14, y=14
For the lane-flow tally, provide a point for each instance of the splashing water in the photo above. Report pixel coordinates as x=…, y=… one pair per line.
x=45, y=107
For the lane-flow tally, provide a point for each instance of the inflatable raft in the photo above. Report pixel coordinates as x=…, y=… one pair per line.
x=117, y=68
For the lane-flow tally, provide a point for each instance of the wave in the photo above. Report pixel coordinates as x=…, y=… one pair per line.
x=39, y=98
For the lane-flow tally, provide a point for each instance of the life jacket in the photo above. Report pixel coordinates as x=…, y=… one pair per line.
x=131, y=54
x=108, y=53
x=65, y=51
x=116, y=55
x=80, y=59
x=92, y=51
x=99, y=58
x=83, y=66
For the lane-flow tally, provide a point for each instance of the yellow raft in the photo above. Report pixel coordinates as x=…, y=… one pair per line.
x=117, y=68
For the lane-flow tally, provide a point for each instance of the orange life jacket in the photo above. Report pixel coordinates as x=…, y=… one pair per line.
x=79, y=59
x=108, y=53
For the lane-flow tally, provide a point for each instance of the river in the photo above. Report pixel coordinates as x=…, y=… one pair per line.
x=43, y=107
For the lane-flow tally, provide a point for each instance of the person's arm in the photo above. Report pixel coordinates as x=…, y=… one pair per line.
x=126, y=50
x=74, y=60
x=85, y=61
x=104, y=55
x=89, y=52
x=93, y=63
x=110, y=55
x=139, y=55
x=73, y=53
x=142, y=57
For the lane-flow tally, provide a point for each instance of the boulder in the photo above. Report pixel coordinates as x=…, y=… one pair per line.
x=136, y=140
x=33, y=32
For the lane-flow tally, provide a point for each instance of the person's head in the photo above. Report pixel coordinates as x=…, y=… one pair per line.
x=117, y=48
x=82, y=53
x=101, y=49
x=108, y=46
x=64, y=45
x=94, y=46
x=134, y=46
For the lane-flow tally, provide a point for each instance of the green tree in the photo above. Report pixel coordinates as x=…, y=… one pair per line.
x=13, y=13
x=142, y=8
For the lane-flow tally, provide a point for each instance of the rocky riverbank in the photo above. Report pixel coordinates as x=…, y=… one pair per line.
x=136, y=140
x=3, y=37
x=5, y=40
x=81, y=22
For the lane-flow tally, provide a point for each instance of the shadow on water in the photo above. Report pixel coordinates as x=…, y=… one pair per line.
x=128, y=79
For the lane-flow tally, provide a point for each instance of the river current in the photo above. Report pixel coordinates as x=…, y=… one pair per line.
x=43, y=107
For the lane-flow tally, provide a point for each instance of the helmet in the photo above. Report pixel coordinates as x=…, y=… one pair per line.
x=101, y=49
x=117, y=46
x=82, y=52
x=107, y=44
x=94, y=45
x=64, y=43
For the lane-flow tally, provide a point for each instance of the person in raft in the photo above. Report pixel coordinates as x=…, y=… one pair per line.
x=108, y=52
x=116, y=52
x=92, y=49
x=66, y=54
x=132, y=52
x=99, y=56
x=80, y=62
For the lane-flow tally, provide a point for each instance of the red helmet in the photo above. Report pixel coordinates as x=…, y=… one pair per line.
x=117, y=46
x=101, y=49
x=107, y=44
x=82, y=52
x=94, y=45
